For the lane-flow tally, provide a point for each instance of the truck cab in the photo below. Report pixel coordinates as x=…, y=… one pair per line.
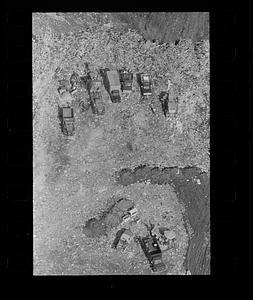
x=114, y=85
x=66, y=115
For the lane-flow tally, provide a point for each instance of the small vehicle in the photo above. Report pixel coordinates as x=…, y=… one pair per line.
x=126, y=80
x=169, y=105
x=153, y=253
x=173, y=106
x=114, y=85
x=130, y=214
x=145, y=84
x=123, y=238
x=66, y=115
x=96, y=102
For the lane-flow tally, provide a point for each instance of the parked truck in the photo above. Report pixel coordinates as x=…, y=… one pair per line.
x=66, y=116
x=114, y=85
x=144, y=81
x=126, y=80
x=96, y=102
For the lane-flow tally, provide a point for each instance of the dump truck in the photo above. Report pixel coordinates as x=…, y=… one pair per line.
x=66, y=116
x=145, y=84
x=152, y=252
x=114, y=85
x=126, y=80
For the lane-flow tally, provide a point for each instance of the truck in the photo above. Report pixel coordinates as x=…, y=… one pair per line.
x=96, y=102
x=66, y=116
x=126, y=80
x=153, y=253
x=145, y=84
x=169, y=104
x=114, y=85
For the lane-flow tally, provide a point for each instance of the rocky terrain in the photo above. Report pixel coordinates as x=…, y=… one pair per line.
x=77, y=179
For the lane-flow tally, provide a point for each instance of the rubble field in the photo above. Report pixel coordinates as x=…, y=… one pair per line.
x=131, y=158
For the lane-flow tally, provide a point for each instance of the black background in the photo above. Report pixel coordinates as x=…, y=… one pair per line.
x=230, y=158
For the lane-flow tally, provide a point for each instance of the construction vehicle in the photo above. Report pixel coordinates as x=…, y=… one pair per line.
x=144, y=81
x=126, y=80
x=114, y=85
x=66, y=116
x=123, y=238
x=152, y=252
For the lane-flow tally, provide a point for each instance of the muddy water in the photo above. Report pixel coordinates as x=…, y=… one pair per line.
x=192, y=188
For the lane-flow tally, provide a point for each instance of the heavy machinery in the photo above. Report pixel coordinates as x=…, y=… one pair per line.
x=152, y=252
x=67, y=120
x=144, y=81
x=114, y=85
x=126, y=80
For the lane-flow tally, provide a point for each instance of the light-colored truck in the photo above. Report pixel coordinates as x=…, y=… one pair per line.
x=114, y=85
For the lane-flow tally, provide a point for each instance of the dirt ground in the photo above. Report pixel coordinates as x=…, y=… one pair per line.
x=75, y=178
x=192, y=188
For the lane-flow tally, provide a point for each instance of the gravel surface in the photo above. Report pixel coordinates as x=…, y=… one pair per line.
x=76, y=178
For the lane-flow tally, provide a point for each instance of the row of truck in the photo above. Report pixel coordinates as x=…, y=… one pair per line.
x=114, y=81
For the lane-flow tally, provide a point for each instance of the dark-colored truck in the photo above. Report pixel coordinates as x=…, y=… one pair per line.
x=67, y=120
x=153, y=253
x=126, y=80
x=144, y=81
